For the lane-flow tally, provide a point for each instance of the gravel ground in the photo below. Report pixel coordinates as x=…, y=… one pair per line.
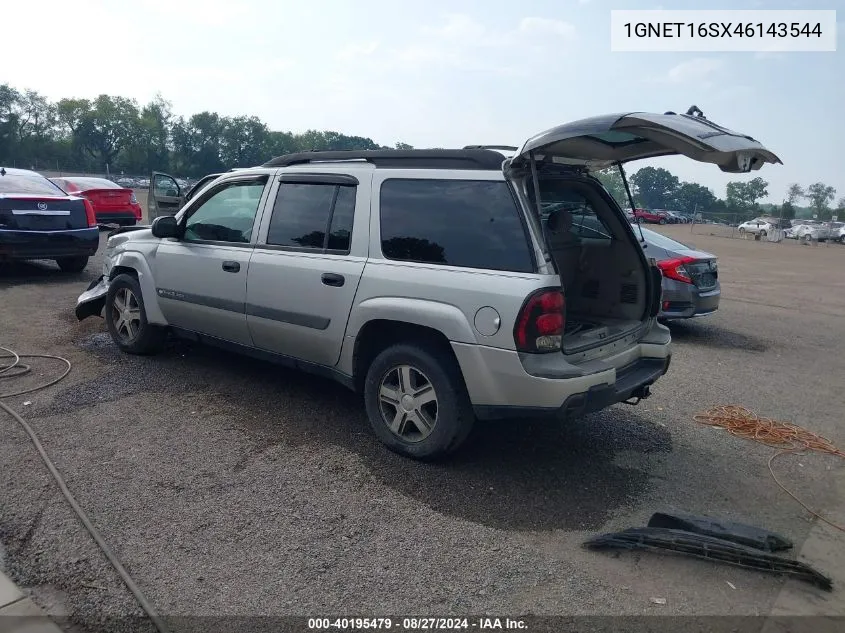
x=228, y=486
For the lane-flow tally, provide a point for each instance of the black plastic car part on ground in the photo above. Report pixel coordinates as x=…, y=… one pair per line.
x=749, y=535
x=710, y=548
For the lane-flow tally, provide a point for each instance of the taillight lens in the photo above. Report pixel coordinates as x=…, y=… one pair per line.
x=674, y=269
x=89, y=213
x=539, y=326
x=132, y=198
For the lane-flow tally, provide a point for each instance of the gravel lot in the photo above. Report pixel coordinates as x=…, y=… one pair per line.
x=228, y=486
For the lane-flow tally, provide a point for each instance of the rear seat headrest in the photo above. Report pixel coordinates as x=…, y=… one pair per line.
x=559, y=221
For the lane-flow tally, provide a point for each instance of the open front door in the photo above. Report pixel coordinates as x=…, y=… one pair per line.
x=165, y=196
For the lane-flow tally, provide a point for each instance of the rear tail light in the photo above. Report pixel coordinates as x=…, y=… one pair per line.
x=539, y=326
x=675, y=269
x=132, y=198
x=89, y=213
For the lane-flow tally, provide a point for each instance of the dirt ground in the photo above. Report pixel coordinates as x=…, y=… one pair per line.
x=231, y=487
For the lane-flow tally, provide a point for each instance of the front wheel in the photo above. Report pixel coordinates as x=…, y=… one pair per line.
x=662, y=221
x=417, y=402
x=763, y=234
x=72, y=264
x=126, y=318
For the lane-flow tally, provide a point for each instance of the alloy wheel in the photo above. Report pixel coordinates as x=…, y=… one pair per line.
x=126, y=314
x=408, y=403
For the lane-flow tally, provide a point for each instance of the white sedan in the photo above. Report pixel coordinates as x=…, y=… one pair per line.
x=757, y=226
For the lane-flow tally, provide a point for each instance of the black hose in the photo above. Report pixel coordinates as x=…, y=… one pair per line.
x=21, y=370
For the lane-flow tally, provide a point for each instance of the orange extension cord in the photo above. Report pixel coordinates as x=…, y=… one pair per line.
x=790, y=438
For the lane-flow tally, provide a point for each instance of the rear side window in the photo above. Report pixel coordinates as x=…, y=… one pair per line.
x=37, y=185
x=313, y=216
x=465, y=223
x=572, y=210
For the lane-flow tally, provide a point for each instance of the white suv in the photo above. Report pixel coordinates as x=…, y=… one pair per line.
x=443, y=285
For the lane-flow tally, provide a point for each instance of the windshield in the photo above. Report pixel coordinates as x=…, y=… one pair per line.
x=662, y=241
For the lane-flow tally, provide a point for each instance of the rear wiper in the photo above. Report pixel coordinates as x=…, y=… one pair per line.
x=631, y=202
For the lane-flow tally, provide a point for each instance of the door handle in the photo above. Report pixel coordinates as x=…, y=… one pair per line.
x=231, y=267
x=333, y=279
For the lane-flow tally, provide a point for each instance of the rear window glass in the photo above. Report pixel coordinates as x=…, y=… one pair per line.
x=38, y=185
x=83, y=184
x=662, y=241
x=560, y=198
x=470, y=224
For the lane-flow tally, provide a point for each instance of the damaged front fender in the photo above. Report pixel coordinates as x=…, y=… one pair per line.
x=93, y=300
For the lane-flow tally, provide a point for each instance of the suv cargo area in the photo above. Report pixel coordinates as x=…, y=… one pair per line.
x=602, y=270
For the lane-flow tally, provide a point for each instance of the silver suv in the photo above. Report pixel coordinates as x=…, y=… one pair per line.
x=444, y=285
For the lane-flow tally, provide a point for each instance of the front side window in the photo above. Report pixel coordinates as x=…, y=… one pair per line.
x=227, y=215
x=313, y=216
x=465, y=223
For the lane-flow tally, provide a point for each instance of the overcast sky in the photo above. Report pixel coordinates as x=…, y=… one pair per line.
x=433, y=73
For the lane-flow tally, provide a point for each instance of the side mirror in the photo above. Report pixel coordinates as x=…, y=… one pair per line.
x=165, y=226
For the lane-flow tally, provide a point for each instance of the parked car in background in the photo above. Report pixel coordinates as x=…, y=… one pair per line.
x=113, y=204
x=812, y=231
x=673, y=217
x=40, y=221
x=757, y=226
x=653, y=216
x=690, y=277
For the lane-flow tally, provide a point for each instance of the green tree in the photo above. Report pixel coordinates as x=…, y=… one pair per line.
x=400, y=145
x=692, y=197
x=787, y=210
x=109, y=127
x=820, y=196
x=742, y=197
x=656, y=187
x=612, y=181
x=794, y=193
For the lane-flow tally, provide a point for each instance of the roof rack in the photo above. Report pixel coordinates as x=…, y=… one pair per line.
x=481, y=159
x=507, y=148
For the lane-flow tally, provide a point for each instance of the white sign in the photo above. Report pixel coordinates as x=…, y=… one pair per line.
x=749, y=31
x=834, y=218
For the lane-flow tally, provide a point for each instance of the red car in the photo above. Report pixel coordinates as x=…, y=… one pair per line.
x=112, y=203
x=651, y=215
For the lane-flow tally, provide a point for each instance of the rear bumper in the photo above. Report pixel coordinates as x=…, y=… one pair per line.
x=116, y=217
x=632, y=381
x=49, y=244
x=501, y=384
x=685, y=301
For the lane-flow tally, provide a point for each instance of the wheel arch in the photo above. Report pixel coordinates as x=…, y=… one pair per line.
x=134, y=263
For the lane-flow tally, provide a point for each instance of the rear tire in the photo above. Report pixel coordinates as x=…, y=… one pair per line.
x=72, y=264
x=763, y=234
x=416, y=401
x=126, y=318
x=662, y=221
